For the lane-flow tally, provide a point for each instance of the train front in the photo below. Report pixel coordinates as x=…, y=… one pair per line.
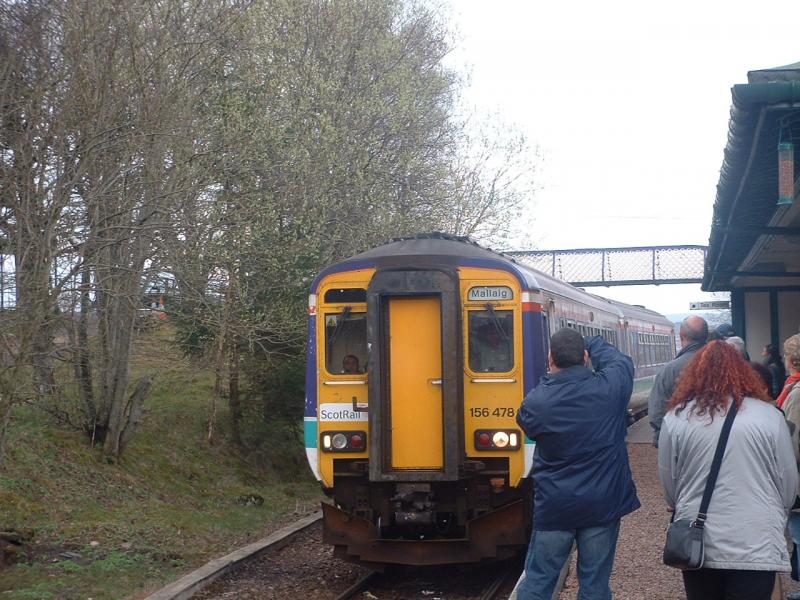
x=414, y=378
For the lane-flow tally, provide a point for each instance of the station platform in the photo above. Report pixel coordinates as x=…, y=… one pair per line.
x=640, y=432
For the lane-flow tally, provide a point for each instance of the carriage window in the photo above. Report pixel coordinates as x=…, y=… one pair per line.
x=346, y=342
x=491, y=341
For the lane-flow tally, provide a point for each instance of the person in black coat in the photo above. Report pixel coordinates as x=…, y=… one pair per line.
x=774, y=362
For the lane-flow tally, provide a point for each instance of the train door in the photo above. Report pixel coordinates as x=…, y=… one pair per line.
x=549, y=327
x=415, y=382
x=625, y=345
x=552, y=320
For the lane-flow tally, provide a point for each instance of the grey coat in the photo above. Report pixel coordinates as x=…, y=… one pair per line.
x=664, y=385
x=754, y=491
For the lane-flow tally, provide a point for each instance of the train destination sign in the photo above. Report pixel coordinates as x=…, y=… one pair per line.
x=490, y=292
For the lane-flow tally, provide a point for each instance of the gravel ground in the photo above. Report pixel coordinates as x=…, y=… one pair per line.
x=638, y=572
x=304, y=569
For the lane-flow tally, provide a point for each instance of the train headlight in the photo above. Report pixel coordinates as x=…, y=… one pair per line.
x=500, y=439
x=343, y=441
x=497, y=439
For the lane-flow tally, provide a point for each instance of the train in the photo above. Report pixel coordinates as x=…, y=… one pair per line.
x=419, y=354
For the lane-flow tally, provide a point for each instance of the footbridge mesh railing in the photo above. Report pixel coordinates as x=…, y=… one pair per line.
x=648, y=265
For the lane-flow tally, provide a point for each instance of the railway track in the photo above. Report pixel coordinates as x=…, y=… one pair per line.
x=420, y=583
x=497, y=586
x=358, y=586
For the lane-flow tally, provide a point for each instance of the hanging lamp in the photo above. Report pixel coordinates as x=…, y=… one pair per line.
x=785, y=173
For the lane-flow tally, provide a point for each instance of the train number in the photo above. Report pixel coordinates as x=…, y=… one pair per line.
x=483, y=411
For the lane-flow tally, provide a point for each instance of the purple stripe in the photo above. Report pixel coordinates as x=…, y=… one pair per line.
x=534, y=352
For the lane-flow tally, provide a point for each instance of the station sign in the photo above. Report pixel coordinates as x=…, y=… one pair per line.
x=711, y=305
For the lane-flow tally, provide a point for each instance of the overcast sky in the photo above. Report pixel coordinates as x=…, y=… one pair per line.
x=628, y=103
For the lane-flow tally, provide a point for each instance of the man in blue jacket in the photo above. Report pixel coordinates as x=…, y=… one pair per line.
x=582, y=480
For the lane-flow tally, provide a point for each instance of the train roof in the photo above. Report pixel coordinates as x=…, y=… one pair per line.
x=442, y=248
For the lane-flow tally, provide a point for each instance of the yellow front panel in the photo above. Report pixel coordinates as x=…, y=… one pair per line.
x=333, y=399
x=491, y=400
x=415, y=355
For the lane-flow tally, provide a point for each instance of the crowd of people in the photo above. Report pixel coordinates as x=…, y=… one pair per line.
x=750, y=517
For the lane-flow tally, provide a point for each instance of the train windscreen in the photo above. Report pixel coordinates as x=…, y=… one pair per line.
x=346, y=342
x=491, y=341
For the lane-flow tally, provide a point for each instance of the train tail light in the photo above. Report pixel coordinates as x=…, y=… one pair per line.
x=497, y=439
x=343, y=441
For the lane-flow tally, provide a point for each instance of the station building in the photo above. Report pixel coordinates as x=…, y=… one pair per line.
x=754, y=246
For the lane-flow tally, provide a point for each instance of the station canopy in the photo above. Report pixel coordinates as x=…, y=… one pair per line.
x=755, y=241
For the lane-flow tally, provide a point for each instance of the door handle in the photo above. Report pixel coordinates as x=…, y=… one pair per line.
x=359, y=407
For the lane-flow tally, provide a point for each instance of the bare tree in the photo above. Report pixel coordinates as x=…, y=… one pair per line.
x=98, y=124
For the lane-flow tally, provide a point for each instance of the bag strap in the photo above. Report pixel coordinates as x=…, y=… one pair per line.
x=715, y=465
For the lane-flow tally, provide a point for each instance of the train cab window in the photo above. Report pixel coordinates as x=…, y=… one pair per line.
x=491, y=341
x=346, y=342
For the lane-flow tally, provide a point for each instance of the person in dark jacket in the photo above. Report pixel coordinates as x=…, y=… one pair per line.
x=774, y=362
x=582, y=480
x=693, y=335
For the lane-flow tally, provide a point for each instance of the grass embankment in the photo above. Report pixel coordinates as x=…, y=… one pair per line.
x=173, y=501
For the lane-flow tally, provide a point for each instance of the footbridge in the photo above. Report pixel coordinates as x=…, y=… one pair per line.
x=643, y=265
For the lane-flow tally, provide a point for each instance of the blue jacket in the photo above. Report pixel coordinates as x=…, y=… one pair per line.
x=578, y=419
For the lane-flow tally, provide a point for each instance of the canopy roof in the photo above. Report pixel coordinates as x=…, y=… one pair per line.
x=753, y=241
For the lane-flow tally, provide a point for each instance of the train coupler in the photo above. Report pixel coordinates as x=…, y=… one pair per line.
x=413, y=504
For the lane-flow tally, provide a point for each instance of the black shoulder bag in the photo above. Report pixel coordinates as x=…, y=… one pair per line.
x=684, y=546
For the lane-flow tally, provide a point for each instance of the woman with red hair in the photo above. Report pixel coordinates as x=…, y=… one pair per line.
x=744, y=530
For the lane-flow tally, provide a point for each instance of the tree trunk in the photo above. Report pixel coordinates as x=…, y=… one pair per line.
x=120, y=317
x=234, y=400
x=83, y=357
x=6, y=406
x=135, y=410
x=33, y=261
x=216, y=394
